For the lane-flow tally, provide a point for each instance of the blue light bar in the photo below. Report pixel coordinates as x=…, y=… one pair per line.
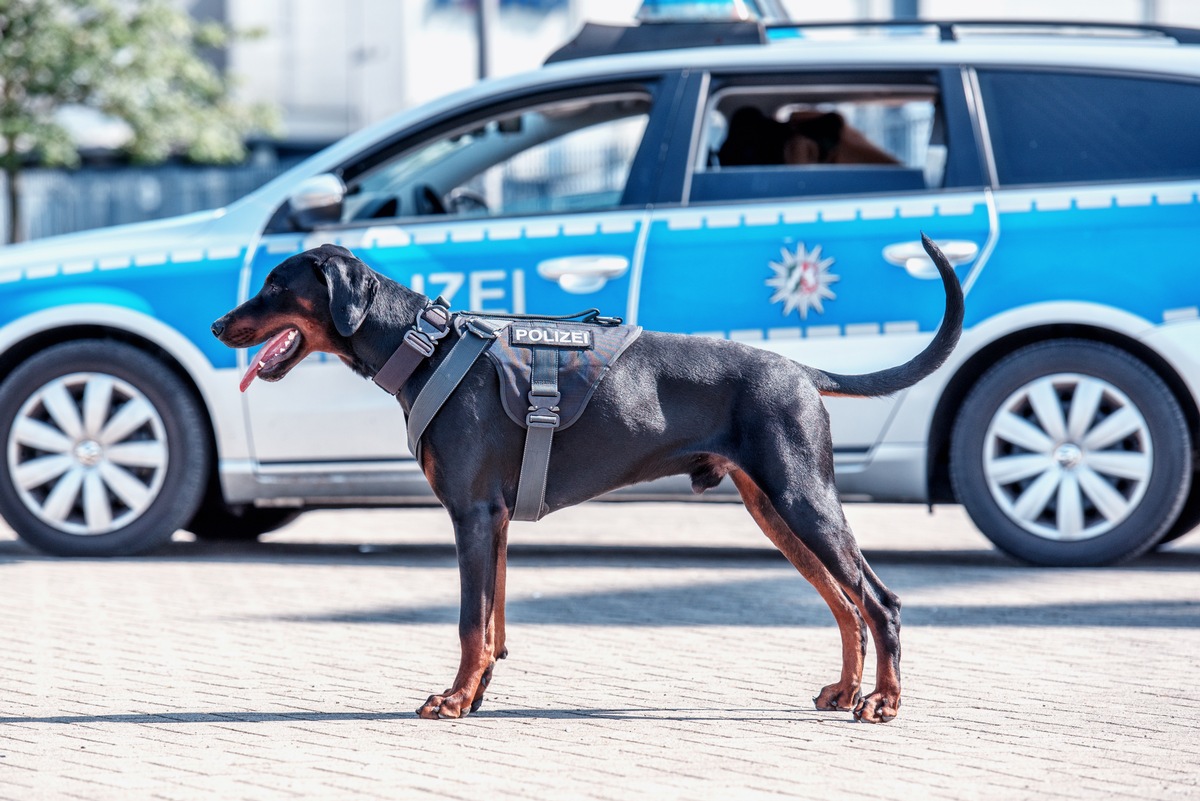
x=711, y=10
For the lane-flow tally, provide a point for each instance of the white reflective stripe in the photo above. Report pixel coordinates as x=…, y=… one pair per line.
x=1175, y=315
x=839, y=214
x=1019, y=201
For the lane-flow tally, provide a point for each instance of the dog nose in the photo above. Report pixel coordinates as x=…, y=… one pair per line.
x=218, y=328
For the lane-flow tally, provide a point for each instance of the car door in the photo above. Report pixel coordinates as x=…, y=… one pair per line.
x=797, y=225
x=529, y=205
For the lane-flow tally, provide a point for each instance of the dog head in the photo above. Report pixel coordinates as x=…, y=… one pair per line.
x=313, y=301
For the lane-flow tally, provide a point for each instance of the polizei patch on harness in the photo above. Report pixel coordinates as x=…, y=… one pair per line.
x=535, y=335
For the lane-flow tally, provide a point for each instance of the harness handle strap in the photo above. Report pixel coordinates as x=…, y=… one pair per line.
x=592, y=316
x=540, y=422
x=431, y=325
x=449, y=374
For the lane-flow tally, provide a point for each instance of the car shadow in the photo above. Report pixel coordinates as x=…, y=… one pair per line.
x=783, y=601
x=544, y=553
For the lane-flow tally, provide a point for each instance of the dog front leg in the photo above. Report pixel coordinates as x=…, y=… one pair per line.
x=480, y=536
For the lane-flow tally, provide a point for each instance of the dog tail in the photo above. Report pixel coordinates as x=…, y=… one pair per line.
x=894, y=379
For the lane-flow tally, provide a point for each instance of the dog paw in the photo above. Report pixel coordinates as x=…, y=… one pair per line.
x=450, y=705
x=837, y=697
x=877, y=708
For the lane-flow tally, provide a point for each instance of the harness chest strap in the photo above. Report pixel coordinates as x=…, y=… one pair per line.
x=541, y=420
x=479, y=334
x=540, y=423
x=543, y=415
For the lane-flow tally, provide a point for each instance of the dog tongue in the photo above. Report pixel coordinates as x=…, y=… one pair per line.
x=256, y=363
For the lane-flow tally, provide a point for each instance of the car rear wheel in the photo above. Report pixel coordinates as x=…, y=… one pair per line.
x=106, y=450
x=1071, y=453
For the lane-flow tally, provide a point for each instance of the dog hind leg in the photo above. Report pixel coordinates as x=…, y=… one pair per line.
x=792, y=464
x=845, y=693
x=480, y=536
x=819, y=522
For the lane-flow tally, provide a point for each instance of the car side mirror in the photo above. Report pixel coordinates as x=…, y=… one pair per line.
x=317, y=201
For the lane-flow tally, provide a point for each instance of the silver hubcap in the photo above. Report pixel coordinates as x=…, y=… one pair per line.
x=87, y=453
x=1068, y=457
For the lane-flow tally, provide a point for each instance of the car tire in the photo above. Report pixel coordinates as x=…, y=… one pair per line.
x=1071, y=453
x=1188, y=519
x=107, y=451
x=220, y=522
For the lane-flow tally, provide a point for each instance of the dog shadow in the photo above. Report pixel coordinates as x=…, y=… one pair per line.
x=632, y=715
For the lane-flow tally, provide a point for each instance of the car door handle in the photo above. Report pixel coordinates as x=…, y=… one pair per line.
x=916, y=262
x=580, y=275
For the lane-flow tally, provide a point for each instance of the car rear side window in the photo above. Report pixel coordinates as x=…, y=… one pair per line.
x=819, y=137
x=1074, y=128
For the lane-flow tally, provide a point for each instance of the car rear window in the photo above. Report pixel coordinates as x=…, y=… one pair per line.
x=1074, y=128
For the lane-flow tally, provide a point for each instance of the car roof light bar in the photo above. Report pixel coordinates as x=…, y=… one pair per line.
x=598, y=39
x=711, y=10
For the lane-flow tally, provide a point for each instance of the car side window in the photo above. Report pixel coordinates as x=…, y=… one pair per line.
x=572, y=155
x=1073, y=128
x=790, y=141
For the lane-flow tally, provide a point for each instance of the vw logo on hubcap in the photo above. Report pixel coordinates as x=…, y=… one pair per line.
x=1068, y=455
x=89, y=453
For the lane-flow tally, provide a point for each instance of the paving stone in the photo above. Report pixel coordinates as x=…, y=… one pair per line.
x=657, y=651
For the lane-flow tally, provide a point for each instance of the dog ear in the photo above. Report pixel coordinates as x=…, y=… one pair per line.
x=352, y=286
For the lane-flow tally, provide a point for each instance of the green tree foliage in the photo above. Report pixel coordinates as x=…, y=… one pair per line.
x=134, y=60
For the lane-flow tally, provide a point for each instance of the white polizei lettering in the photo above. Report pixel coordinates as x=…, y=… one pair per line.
x=481, y=294
x=518, y=291
x=483, y=289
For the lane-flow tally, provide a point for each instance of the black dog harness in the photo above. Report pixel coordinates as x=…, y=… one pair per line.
x=548, y=367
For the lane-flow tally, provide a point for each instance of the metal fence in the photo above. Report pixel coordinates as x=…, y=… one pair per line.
x=62, y=201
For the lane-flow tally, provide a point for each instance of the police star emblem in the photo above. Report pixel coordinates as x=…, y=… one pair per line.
x=802, y=280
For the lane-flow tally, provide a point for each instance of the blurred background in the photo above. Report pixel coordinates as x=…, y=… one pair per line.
x=317, y=71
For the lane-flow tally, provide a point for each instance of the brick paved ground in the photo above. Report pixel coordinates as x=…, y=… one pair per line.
x=291, y=669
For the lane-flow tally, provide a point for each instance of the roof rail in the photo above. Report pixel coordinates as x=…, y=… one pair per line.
x=947, y=29
x=597, y=39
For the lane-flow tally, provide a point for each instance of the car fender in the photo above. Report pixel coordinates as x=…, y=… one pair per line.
x=914, y=413
x=127, y=312
x=896, y=469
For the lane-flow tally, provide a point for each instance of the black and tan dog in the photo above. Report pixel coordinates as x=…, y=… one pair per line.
x=671, y=405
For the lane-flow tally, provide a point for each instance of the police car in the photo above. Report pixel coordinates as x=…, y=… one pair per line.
x=759, y=182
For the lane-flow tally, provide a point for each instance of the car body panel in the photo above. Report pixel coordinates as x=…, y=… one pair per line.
x=281, y=444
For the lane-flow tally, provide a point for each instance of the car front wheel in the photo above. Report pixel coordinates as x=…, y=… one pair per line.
x=243, y=524
x=106, y=450
x=1071, y=453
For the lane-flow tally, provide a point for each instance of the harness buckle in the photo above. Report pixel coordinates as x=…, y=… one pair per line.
x=419, y=341
x=480, y=330
x=544, y=400
x=542, y=418
x=431, y=330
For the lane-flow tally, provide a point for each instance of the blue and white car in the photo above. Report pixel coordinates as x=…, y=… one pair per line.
x=772, y=191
